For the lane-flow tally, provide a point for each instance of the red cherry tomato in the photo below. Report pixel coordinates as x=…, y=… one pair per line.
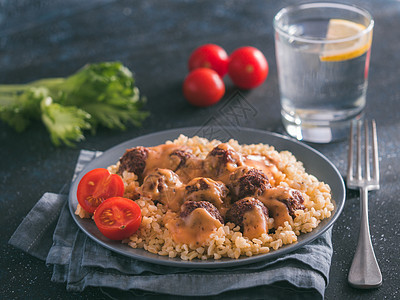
x=96, y=186
x=118, y=218
x=203, y=87
x=247, y=67
x=209, y=56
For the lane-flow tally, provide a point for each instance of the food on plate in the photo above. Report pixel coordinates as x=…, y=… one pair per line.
x=204, y=199
x=97, y=186
x=248, y=67
x=251, y=215
x=118, y=218
x=209, y=56
x=203, y=87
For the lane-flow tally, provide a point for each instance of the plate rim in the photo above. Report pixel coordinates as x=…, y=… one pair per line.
x=210, y=263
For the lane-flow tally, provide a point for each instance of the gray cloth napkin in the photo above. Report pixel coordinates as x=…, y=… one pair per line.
x=49, y=233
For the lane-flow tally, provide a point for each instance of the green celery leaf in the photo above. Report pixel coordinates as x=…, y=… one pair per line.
x=114, y=117
x=107, y=92
x=22, y=107
x=98, y=94
x=64, y=123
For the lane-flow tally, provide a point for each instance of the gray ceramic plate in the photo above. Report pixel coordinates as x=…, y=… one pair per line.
x=314, y=162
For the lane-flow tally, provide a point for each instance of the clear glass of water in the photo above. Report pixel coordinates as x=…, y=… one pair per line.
x=322, y=52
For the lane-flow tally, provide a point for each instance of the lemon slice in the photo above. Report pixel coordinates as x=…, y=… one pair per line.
x=341, y=29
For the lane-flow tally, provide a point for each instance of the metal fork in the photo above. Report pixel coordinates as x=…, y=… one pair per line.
x=364, y=271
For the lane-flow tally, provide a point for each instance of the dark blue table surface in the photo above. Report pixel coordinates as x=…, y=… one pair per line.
x=154, y=39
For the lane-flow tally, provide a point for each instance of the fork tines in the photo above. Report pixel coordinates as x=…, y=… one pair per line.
x=363, y=178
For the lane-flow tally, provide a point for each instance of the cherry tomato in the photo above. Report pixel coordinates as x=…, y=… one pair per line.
x=118, y=218
x=247, y=67
x=96, y=186
x=209, y=56
x=203, y=87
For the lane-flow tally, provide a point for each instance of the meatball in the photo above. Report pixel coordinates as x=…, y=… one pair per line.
x=186, y=165
x=293, y=202
x=246, y=182
x=179, y=158
x=134, y=160
x=206, y=189
x=293, y=199
x=163, y=185
x=237, y=211
x=189, y=206
x=221, y=159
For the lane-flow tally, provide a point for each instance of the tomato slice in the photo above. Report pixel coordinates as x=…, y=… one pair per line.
x=96, y=186
x=118, y=218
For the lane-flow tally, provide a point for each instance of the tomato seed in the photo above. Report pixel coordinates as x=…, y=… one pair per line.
x=94, y=201
x=107, y=212
x=106, y=220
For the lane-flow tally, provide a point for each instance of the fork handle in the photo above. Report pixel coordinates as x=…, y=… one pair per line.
x=364, y=271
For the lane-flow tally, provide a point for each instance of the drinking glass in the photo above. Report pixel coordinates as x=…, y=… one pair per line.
x=323, y=52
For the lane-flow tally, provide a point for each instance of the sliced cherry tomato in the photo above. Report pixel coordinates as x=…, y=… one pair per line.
x=248, y=67
x=118, y=218
x=209, y=56
x=96, y=186
x=203, y=87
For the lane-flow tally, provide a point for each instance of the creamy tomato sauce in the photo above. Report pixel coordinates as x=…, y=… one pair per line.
x=210, y=187
x=193, y=230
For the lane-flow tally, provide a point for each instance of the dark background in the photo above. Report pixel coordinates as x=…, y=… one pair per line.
x=51, y=38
